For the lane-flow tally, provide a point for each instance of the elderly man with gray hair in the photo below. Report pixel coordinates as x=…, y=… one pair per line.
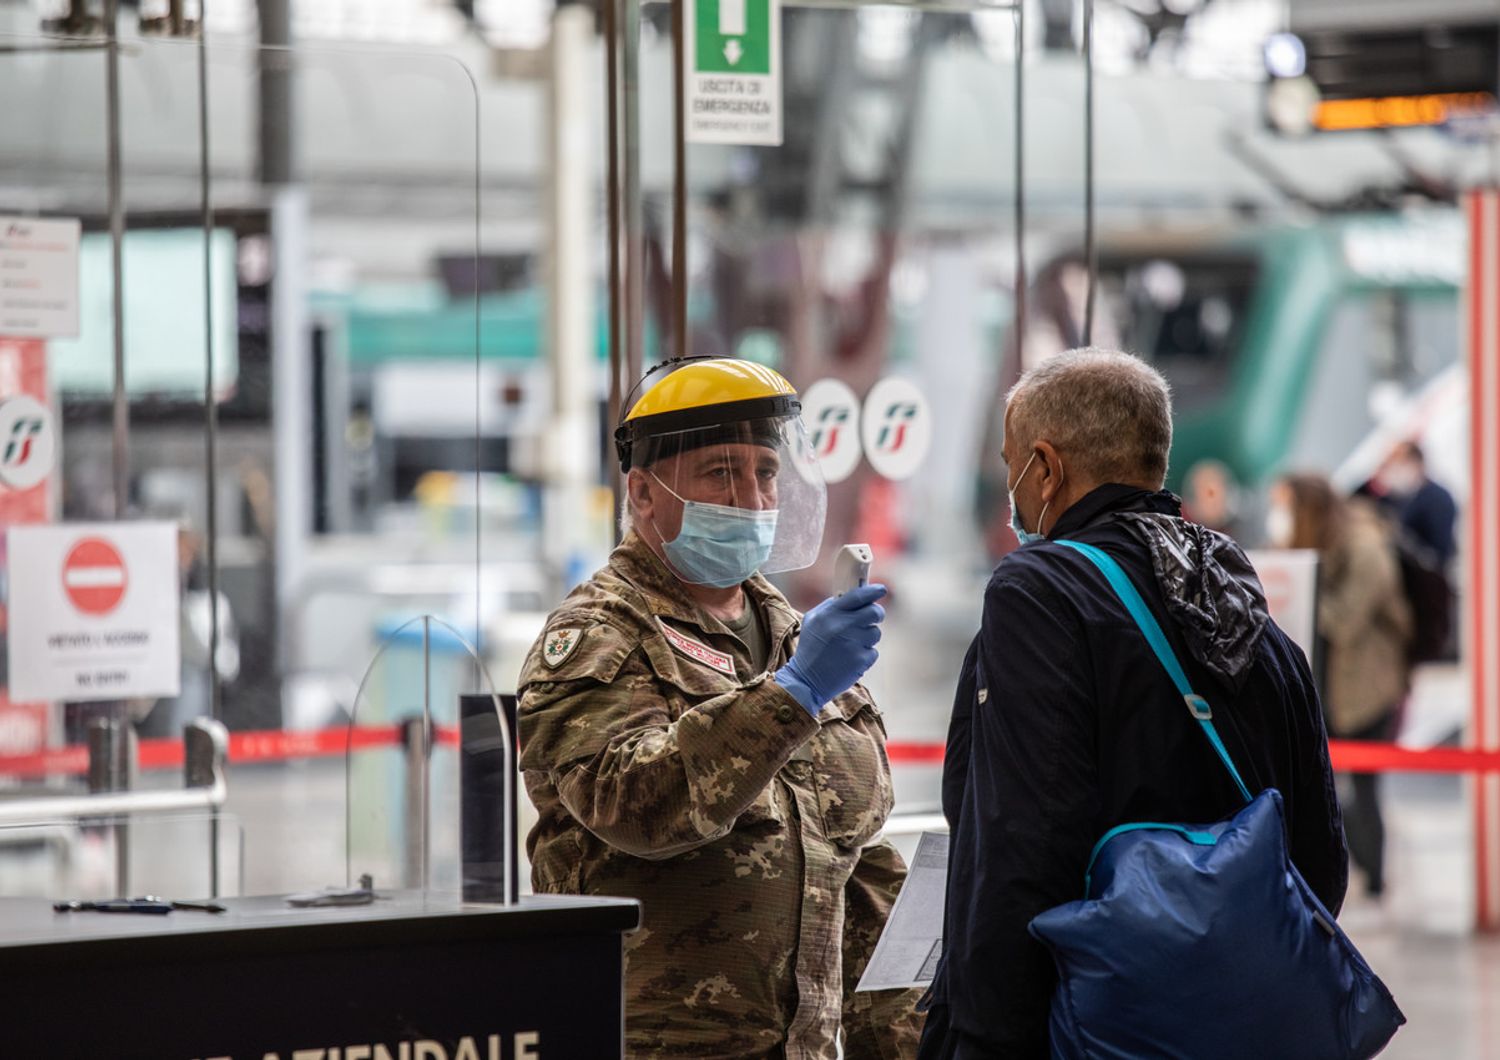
x=1065, y=725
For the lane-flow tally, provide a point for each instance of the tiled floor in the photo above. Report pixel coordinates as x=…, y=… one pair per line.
x=1448, y=986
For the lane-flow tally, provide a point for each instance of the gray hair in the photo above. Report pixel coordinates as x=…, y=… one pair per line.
x=627, y=514
x=1109, y=412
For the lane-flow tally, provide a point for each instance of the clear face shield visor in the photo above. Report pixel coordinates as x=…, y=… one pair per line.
x=732, y=499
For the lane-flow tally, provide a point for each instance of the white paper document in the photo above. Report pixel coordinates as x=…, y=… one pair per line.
x=908, y=949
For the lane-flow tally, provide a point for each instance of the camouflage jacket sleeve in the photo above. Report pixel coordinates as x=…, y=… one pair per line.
x=878, y=1024
x=642, y=777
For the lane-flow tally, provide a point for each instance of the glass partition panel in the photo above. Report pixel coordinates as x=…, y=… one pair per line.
x=878, y=239
x=172, y=857
x=383, y=448
x=55, y=153
x=102, y=536
x=297, y=240
x=407, y=789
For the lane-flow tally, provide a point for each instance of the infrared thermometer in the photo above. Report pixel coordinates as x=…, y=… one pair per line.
x=851, y=568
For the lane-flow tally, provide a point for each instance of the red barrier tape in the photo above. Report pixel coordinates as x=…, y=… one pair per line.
x=1348, y=757
x=279, y=746
x=273, y=745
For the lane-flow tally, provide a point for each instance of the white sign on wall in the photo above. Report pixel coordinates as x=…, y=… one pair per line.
x=39, y=278
x=93, y=611
x=733, y=55
x=1290, y=580
x=830, y=412
x=896, y=427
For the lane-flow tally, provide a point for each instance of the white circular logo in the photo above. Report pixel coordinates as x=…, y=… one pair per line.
x=27, y=442
x=830, y=412
x=896, y=428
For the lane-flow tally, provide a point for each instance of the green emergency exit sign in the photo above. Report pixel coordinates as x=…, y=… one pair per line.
x=732, y=36
x=732, y=49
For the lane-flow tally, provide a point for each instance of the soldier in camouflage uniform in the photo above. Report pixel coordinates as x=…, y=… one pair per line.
x=676, y=756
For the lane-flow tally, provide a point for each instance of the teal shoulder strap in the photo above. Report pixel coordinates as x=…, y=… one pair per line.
x=1128, y=595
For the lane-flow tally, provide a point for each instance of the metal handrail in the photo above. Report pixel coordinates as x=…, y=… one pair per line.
x=198, y=796
x=112, y=804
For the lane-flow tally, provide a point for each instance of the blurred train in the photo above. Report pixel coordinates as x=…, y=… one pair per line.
x=1308, y=346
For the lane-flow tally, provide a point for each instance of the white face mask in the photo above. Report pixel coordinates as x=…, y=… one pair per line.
x=1402, y=479
x=1017, y=527
x=1279, y=526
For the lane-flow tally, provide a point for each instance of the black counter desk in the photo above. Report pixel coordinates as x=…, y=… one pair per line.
x=410, y=977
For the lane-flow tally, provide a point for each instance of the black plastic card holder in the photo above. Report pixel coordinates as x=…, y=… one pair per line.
x=482, y=798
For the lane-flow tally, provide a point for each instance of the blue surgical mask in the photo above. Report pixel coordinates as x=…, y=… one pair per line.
x=1022, y=534
x=719, y=545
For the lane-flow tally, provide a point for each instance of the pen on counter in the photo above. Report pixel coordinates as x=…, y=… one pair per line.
x=155, y=906
x=201, y=907
x=150, y=904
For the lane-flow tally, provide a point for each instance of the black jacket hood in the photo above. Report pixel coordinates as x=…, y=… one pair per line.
x=1210, y=588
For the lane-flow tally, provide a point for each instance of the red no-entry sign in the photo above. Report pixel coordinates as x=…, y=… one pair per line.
x=94, y=576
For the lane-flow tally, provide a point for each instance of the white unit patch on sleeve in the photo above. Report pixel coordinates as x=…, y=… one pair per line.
x=559, y=645
x=696, y=651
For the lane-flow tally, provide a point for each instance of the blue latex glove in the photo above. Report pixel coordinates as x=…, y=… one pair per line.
x=836, y=647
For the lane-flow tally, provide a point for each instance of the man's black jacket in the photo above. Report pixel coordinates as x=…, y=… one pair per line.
x=1065, y=725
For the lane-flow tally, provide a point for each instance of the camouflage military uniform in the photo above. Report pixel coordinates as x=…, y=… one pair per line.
x=665, y=771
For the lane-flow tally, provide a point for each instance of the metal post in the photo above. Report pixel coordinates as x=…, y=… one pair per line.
x=612, y=200
x=289, y=333
x=425, y=757
x=210, y=404
x=635, y=228
x=1482, y=574
x=679, y=180
x=479, y=595
x=121, y=419
x=414, y=831
x=276, y=161
x=205, y=746
x=112, y=760
x=1020, y=218
x=1090, y=250
x=570, y=470
x=291, y=401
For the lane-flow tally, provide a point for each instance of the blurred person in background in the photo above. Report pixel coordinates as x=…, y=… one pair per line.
x=1212, y=498
x=1423, y=508
x=169, y=715
x=1365, y=625
x=692, y=742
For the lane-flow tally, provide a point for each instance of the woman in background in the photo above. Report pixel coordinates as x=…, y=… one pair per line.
x=1364, y=625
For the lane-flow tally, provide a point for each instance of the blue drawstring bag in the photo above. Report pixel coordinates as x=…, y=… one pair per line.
x=1204, y=941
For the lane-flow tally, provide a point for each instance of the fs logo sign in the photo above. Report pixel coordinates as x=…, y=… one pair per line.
x=22, y=434
x=825, y=438
x=896, y=427
x=830, y=412
x=893, y=430
x=27, y=443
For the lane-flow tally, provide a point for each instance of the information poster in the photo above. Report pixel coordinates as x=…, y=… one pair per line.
x=94, y=611
x=39, y=277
